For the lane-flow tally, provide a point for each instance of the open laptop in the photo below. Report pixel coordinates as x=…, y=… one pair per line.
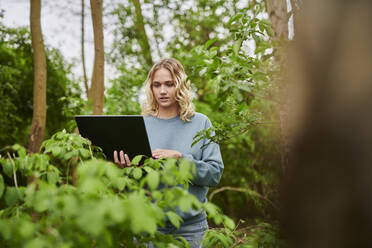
x=116, y=132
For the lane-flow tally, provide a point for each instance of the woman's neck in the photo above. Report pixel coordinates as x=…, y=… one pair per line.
x=167, y=113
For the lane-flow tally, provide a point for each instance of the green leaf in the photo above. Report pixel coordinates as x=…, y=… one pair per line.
x=184, y=204
x=237, y=45
x=174, y=218
x=234, y=18
x=2, y=185
x=147, y=169
x=20, y=149
x=270, y=31
x=211, y=209
x=38, y=242
x=217, y=219
x=26, y=228
x=59, y=135
x=142, y=216
x=120, y=183
x=7, y=167
x=153, y=179
x=69, y=155
x=45, y=143
x=213, y=52
x=91, y=222
x=212, y=238
x=185, y=167
x=43, y=198
x=13, y=196
x=261, y=26
x=84, y=153
x=157, y=195
x=116, y=209
x=137, y=173
x=128, y=170
x=52, y=177
x=112, y=172
x=136, y=160
x=91, y=185
x=56, y=151
x=41, y=162
x=209, y=43
x=229, y=223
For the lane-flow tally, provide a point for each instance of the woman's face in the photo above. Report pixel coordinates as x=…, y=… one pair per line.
x=164, y=89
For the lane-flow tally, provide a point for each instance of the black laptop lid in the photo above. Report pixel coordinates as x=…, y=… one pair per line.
x=116, y=132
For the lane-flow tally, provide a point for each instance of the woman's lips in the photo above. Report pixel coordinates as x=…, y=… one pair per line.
x=164, y=99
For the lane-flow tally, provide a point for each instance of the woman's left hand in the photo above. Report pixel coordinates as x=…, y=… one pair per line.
x=163, y=153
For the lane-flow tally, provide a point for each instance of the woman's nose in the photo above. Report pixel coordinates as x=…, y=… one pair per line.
x=162, y=89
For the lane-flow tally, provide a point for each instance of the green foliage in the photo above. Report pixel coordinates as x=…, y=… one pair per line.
x=105, y=207
x=16, y=87
x=257, y=235
x=236, y=89
x=227, y=52
x=121, y=97
x=74, y=200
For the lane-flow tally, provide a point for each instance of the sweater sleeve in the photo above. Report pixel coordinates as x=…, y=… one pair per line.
x=209, y=169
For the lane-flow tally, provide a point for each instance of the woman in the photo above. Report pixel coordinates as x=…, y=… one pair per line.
x=171, y=124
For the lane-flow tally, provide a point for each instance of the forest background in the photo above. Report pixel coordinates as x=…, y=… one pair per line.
x=231, y=51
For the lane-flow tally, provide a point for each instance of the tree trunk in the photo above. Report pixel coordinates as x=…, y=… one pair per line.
x=296, y=8
x=141, y=33
x=83, y=49
x=39, y=105
x=277, y=10
x=97, y=89
x=327, y=195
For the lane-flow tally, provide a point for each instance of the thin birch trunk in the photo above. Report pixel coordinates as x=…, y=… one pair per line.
x=83, y=47
x=40, y=73
x=141, y=33
x=97, y=88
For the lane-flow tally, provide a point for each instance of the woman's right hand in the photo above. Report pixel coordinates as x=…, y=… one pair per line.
x=121, y=159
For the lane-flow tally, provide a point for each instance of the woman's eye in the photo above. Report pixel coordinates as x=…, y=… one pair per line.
x=170, y=84
x=156, y=85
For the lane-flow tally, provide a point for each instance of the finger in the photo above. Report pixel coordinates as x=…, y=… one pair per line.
x=122, y=160
x=158, y=155
x=127, y=160
x=157, y=151
x=116, y=160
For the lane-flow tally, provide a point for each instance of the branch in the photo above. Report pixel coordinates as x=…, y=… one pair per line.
x=10, y=148
x=251, y=192
x=263, y=97
x=243, y=130
x=14, y=172
x=91, y=153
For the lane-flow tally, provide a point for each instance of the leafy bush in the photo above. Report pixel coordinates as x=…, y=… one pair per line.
x=258, y=235
x=16, y=87
x=73, y=199
x=237, y=91
x=228, y=55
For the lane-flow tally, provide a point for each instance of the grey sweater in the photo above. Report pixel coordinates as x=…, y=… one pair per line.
x=175, y=134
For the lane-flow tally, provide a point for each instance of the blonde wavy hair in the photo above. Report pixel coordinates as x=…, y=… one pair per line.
x=183, y=90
